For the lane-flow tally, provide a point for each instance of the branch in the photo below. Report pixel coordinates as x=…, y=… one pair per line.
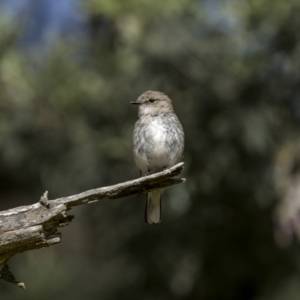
x=35, y=226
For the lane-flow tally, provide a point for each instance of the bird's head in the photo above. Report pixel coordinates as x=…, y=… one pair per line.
x=153, y=103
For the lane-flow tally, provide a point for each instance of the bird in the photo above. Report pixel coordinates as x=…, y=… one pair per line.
x=158, y=143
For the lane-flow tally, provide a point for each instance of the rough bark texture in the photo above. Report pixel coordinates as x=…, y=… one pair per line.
x=35, y=226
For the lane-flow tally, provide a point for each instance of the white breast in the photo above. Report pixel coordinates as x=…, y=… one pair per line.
x=158, y=145
x=158, y=134
x=159, y=152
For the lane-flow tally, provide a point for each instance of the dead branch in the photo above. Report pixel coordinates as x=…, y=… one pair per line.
x=35, y=226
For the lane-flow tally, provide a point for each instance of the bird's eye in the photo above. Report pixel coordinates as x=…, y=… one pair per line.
x=151, y=100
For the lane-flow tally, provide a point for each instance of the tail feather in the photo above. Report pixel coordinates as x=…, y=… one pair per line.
x=153, y=207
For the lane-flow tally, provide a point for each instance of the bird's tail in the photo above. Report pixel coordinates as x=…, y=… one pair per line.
x=153, y=207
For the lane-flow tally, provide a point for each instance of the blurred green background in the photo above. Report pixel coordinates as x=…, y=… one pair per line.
x=68, y=70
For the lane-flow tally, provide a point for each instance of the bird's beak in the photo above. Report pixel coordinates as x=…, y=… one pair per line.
x=135, y=102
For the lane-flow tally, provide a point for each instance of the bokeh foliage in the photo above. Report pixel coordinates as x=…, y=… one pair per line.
x=232, y=70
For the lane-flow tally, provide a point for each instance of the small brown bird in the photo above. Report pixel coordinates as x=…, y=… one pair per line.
x=158, y=142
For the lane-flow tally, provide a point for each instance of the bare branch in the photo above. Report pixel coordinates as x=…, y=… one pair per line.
x=35, y=226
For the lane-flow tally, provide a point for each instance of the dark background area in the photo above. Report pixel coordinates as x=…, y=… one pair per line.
x=68, y=71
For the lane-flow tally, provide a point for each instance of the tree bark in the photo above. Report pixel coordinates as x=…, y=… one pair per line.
x=35, y=226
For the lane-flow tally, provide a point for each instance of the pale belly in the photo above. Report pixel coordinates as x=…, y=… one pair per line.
x=160, y=147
